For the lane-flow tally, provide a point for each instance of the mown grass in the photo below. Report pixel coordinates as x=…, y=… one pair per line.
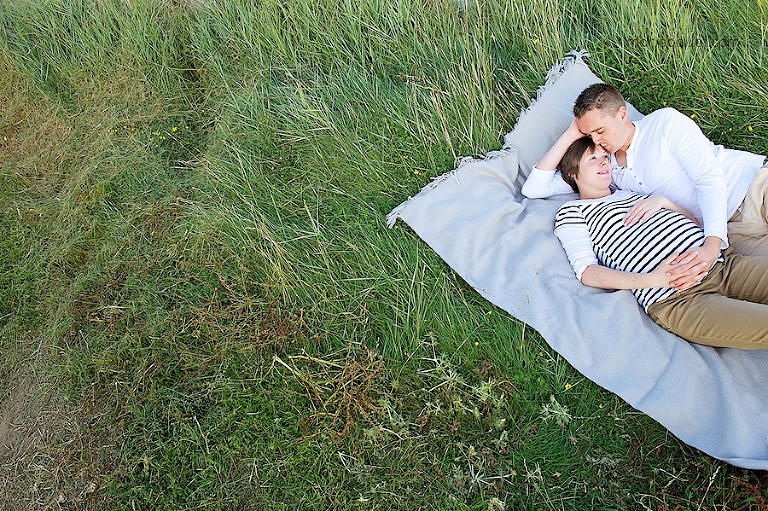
x=203, y=308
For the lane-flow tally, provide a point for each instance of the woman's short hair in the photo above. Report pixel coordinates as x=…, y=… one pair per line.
x=569, y=164
x=600, y=96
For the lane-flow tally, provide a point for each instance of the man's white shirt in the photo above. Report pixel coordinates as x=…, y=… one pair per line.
x=670, y=156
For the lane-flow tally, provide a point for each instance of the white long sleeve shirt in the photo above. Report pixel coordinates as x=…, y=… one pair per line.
x=669, y=155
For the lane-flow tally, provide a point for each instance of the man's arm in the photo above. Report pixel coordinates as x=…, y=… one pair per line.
x=543, y=181
x=551, y=158
x=646, y=208
x=693, y=151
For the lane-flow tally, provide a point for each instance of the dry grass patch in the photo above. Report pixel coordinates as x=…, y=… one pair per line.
x=341, y=391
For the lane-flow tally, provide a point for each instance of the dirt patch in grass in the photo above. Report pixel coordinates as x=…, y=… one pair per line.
x=42, y=440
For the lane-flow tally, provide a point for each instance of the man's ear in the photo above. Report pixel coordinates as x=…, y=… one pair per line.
x=623, y=113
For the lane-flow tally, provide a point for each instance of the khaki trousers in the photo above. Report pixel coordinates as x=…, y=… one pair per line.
x=748, y=228
x=728, y=309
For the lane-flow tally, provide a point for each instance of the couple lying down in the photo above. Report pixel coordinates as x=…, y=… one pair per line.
x=728, y=308
x=658, y=249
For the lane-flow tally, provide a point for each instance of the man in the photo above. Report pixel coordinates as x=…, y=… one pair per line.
x=666, y=153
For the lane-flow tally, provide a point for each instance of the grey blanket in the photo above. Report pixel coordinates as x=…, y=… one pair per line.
x=503, y=246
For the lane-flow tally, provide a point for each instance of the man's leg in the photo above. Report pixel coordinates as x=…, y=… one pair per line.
x=745, y=278
x=716, y=320
x=748, y=230
x=730, y=309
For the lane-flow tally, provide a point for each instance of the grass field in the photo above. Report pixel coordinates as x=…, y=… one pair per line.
x=203, y=308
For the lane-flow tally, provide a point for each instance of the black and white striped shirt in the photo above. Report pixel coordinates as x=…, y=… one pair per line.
x=593, y=232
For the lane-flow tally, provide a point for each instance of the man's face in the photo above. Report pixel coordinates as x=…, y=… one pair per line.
x=611, y=132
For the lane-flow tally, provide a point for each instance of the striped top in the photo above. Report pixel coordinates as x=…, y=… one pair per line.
x=592, y=231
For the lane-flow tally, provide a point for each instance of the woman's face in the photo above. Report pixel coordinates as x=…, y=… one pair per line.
x=594, y=177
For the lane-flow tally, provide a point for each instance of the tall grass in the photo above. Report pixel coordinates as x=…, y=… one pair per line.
x=201, y=288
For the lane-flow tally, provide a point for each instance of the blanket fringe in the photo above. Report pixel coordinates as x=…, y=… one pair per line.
x=461, y=162
x=466, y=160
x=395, y=213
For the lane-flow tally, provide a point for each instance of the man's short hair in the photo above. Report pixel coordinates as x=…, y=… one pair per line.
x=601, y=96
